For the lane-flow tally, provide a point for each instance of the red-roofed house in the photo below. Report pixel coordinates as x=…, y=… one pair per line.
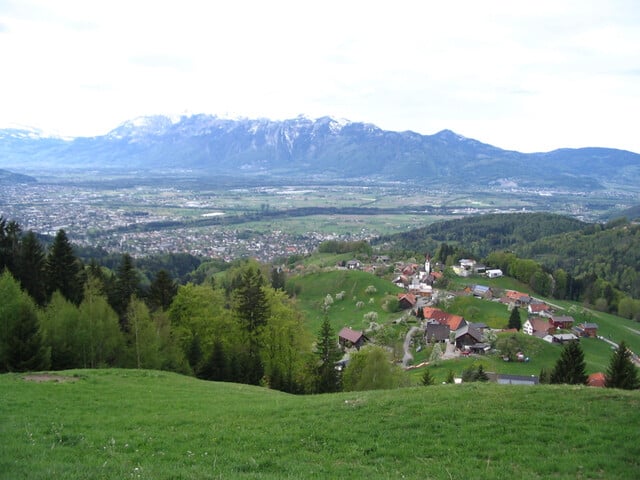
x=563, y=322
x=406, y=300
x=537, y=326
x=597, y=380
x=454, y=322
x=517, y=297
x=538, y=309
x=351, y=338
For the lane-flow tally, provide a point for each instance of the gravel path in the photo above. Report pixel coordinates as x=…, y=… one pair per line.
x=408, y=357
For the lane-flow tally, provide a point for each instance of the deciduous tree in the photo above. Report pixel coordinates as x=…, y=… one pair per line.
x=371, y=368
x=21, y=346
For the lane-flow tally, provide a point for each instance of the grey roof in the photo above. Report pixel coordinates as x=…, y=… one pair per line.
x=507, y=379
x=481, y=289
x=473, y=332
x=437, y=331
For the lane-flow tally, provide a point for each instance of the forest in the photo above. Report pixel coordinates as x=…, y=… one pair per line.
x=59, y=313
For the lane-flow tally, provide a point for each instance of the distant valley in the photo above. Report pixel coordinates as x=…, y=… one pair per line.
x=232, y=188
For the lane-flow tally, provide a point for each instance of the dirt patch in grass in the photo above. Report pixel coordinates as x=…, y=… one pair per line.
x=47, y=377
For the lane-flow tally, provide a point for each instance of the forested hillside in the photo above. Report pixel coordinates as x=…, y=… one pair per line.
x=611, y=252
x=483, y=234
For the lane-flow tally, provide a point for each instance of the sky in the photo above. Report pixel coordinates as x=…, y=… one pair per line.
x=522, y=75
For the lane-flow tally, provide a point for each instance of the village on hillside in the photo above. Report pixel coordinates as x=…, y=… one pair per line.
x=456, y=336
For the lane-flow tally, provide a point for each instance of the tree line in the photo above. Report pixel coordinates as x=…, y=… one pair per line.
x=59, y=313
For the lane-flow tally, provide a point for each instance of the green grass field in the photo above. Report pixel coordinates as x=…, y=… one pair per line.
x=315, y=287
x=157, y=425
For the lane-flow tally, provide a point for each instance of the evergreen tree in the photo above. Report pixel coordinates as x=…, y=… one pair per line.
x=126, y=285
x=162, y=291
x=250, y=307
x=427, y=379
x=9, y=244
x=570, y=367
x=194, y=354
x=278, y=278
x=64, y=269
x=450, y=377
x=545, y=376
x=328, y=352
x=514, y=319
x=31, y=268
x=215, y=367
x=481, y=375
x=622, y=373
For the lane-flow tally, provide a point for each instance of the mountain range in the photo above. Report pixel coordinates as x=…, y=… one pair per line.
x=305, y=149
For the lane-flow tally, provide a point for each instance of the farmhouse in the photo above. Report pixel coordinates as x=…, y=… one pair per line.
x=517, y=298
x=467, y=336
x=348, y=338
x=406, y=300
x=454, y=322
x=562, y=322
x=436, y=332
x=480, y=291
x=538, y=326
x=586, y=329
x=564, y=338
x=538, y=309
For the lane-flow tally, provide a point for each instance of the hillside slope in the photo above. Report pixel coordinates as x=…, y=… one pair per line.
x=147, y=424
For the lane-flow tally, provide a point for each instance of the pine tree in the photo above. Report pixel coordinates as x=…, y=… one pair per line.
x=328, y=352
x=31, y=268
x=215, y=367
x=514, y=319
x=251, y=308
x=9, y=243
x=162, y=291
x=570, y=367
x=545, y=376
x=126, y=285
x=622, y=373
x=64, y=269
x=481, y=375
x=427, y=379
x=278, y=278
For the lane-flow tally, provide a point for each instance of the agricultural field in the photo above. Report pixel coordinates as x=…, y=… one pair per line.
x=139, y=424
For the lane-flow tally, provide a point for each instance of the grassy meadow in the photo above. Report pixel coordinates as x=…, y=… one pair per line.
x=314, y=287
x=159, y=425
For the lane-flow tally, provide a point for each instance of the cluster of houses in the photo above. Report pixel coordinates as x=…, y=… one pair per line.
x=439, y=326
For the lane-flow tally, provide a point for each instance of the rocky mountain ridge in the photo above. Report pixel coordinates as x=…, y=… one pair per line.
x=303, y=148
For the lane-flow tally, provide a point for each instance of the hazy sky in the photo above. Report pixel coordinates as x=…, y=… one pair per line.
x=530, y=76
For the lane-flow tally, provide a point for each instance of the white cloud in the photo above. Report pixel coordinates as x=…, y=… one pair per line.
x=527, y=76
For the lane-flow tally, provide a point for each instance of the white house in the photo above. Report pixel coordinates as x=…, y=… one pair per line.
x=494, y=273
